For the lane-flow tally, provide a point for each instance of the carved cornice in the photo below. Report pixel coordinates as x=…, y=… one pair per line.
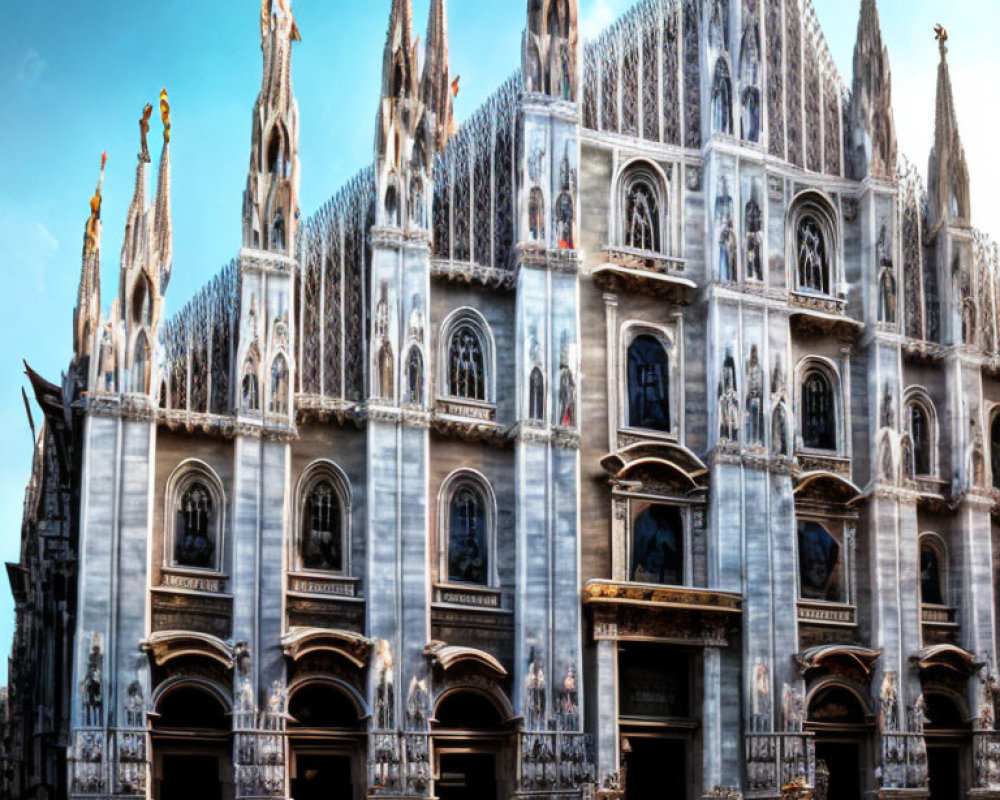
x=467, y=273
x=530, y=432
x=530, y=254
x=266, y=262
x=397, y=239
x=623, y=593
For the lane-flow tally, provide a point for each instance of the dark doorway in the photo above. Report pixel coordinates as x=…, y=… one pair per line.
x=944, y=766
x=467, y=776
x=843, y=765
x=186, y=777
x=657, y=768
x=322, y=777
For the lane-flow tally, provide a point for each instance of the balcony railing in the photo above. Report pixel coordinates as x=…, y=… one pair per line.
x=823, y=613
x=775, y=760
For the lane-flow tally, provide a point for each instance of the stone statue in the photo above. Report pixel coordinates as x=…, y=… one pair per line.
x=570, y=700
x=385, y=697
x=755, y=399
x=93, y=683
x=147, y=112
x=729, y=407
x=94, y=223
x=534, y=694
x=888, y=710
x=761, y=698
x=135, y=706
x=165, y=115
x=793, y=708
x=417, y=704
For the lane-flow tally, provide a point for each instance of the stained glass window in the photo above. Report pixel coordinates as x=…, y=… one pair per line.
x=648, y=384
x=658, y=546
x=194, y=536
x=466, y=364
x=642, y=217
x=931, y=584
x=812, y=257
x=819, y=424
x=920, y=432
x=322, y=526
x=468, y=536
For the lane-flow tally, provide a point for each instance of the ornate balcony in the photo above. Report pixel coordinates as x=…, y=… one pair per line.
x=643, y=272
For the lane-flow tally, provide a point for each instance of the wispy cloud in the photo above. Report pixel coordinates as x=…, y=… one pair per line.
x=599, y=14
x=31, y=69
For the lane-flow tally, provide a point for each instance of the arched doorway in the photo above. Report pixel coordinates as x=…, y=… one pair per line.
x=838, y=719
x=947, y=733
x=192, y=743
x=472, y=747
x=325, y=725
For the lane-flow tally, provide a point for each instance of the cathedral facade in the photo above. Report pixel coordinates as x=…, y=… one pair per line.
x=638, y=438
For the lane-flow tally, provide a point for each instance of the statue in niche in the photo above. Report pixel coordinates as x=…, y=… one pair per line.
x=886, y=279
x=976, y=460
x=536, y=395
x=779, y=431
x=888, y=704
x=729, y=406
x=279, y=386
x=643, y=219
x=754, y=223
x=278, y=230
x=415, y=376
x=570, y=701
x=108, y=359
x=93, y=683
x=384, y=691
x=534, y=694
x=812, y=256
x=567, y=397
x=384, y=359
x=909, y=469
x=416, y=203
x=722, y=100
x=754, y=399
x=886, y=466
x=536, y=214
x=417, y=704
x=250, y=386
x=887, y=419
x=727, y=235
x=564, y=210
x=760, y=702
x=793, y=708
x=135, y=706
x=918, y=715
x=277, y=706
x=416, y=325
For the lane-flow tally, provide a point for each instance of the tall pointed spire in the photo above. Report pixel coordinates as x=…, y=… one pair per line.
x=400, y=108
x=873, y=131
x=88, y=301
x=948, y=171
x=161, y=238
x=270, y=202
x=438, y=89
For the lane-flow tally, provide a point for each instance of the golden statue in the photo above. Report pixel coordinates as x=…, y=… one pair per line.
x=93, y=224
x=941, y=34
x=147, y=112
x=165, y=115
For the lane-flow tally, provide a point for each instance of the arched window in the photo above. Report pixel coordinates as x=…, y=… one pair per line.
x=932, y=572
x=324, y=520
x=467, y=361
x=196, y=513
x=642, y=203
x=813, y=243
x=922, y=436
x=250, y=383
x=821, y=574
x=819, y=411
x=468, y=513
x=813, y=261
x=995, y=450
x=392, y=219
x=142, y=301
x=658, y=546
x=722, y=99
x=648, y=384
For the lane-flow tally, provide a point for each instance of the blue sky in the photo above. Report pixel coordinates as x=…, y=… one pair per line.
x=74, y=77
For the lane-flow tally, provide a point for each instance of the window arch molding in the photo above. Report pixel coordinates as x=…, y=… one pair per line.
x=185, y=476
x=467, y=318
x=450, y=487
x=937, y=545
x=816, y=206
x=918, y=397
x=633, y=174
x=813, y=365
x=320, y=471
x=667, y=337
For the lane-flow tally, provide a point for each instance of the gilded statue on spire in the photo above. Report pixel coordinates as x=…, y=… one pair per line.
x=147, y=112
x=94, y=223
x=165, y=115
x=941, y=34
x=267, y=18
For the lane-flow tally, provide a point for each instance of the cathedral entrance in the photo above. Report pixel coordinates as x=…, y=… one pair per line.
x=840, y=723
x=472, y=752
x=656, y=767
x=325, y=753
x=192, y=745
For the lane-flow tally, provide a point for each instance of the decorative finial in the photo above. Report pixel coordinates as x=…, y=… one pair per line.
x=165, y=115
x=941, y=34
x=454, y=85
x=147, y=112
x=95, y=208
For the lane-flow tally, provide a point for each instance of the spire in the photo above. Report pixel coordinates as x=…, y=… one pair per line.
x=438, y=89
x=88, y=303
x=550, y=49
x=134, y=241
x=948, y=171
x=161, y=243
x=401, y=107
x=270, y=202
x=873, y=131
